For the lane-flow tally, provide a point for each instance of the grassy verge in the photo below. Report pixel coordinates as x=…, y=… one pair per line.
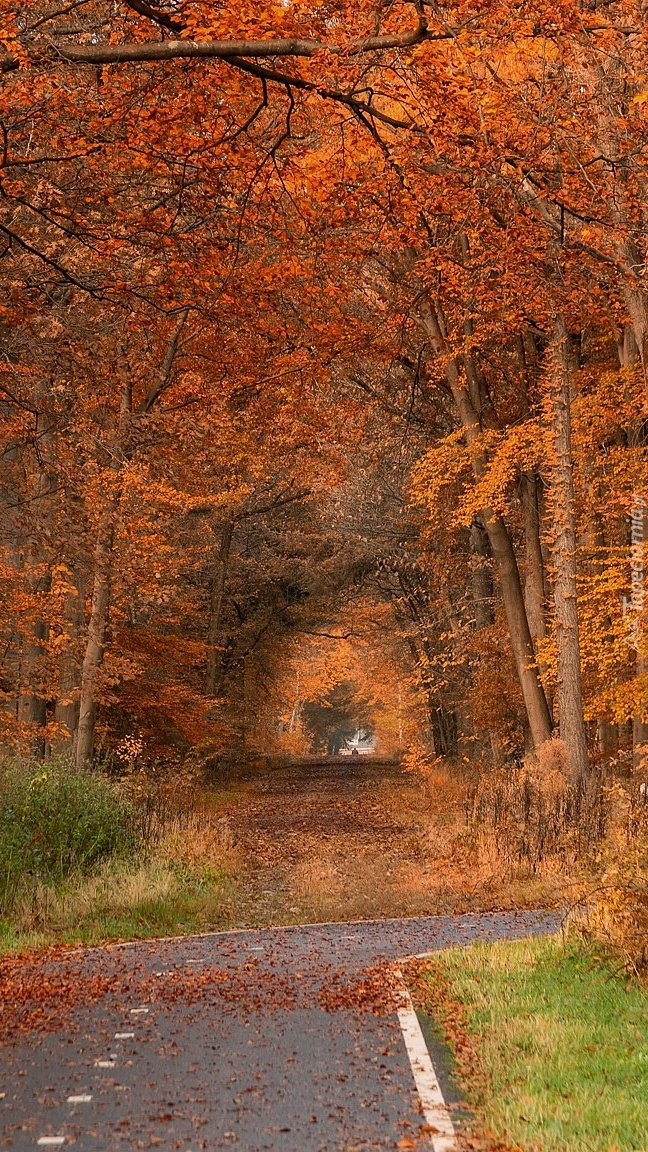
x=77, y=867
x=551, y=1042
x=120, y=901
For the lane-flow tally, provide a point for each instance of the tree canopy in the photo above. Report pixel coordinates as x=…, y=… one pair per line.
x=324, y=337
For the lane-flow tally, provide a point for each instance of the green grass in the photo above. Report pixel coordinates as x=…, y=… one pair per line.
x=561, y=1043
x=119, y=901
x=76, y=867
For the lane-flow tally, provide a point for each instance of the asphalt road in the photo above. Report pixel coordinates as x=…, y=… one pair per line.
x=262, y=1039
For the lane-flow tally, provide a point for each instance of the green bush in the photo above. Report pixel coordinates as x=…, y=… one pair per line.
x=56, y=820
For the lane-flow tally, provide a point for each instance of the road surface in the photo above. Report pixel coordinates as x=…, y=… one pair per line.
x=277, y=1038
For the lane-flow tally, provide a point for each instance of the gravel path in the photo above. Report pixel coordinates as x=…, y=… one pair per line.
x=279, y=1038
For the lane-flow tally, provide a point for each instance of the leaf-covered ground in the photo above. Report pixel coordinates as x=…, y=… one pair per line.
x=305, y=844
x=343, y=842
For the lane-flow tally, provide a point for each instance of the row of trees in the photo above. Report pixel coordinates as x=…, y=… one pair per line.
x=324, y=310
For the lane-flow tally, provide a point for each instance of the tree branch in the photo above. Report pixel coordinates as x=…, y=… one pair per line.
x=167, y=364
x=161, y=18
x=13, y=236
x=356, y=105
x=153, y=51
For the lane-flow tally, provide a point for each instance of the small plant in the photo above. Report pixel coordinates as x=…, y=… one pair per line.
x=56, y=820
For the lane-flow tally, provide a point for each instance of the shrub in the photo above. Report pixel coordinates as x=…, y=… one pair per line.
x=614, y=910
x=55, y=820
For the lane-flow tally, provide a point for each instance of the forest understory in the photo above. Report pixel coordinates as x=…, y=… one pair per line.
x=311, y=842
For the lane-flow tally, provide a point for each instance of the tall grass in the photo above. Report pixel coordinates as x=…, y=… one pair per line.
x=537, y=815
x=55, y=821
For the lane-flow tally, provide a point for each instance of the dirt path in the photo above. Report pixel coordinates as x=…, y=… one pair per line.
x=346, y=841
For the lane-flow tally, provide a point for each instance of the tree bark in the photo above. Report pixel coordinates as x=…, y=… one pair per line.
x=33, y=704
x=96, y=641
x=216, y=605
x=66, y=709
x=535, y=593
x=481, y=579
x=535, y=701
x=569, y=690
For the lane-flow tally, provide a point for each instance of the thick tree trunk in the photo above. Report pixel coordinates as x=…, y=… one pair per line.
x=481, y=579
x=535, y=593
x=569, y=691
x=214, y=659
x=535, y=701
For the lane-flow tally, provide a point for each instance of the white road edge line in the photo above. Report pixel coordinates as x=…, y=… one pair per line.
x=443, y=1137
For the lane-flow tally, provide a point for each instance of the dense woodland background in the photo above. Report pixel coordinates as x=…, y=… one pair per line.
x=323, y=380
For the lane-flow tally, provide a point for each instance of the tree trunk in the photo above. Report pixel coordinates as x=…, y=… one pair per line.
x=100, y=606
x=96, y=642
x=608, y=738
x=569, y=691
x=535, y=595
x=637, y=305
x=216, y=605
x=481, y=579
x=33, y=704
x=66, y=710
x=535, y=701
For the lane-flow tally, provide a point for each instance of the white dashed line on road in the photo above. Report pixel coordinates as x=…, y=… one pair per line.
x=138, y=1011
x=443, y=1136
x=124, y=1036
x=51, y=1140
x=79, y=1099
x=104, y=1063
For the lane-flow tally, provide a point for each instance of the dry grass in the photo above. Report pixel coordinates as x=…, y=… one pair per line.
x=398, y=845
x=181, y=883
x=305, y=845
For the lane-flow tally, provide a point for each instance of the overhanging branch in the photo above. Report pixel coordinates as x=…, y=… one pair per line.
x=154, y=51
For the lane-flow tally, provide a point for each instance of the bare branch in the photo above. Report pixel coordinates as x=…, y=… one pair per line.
x=58, y=12
x=153, y=51
x=47, y=260
x=161, y=18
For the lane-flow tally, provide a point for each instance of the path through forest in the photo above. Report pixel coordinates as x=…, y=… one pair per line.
x=354, y=839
